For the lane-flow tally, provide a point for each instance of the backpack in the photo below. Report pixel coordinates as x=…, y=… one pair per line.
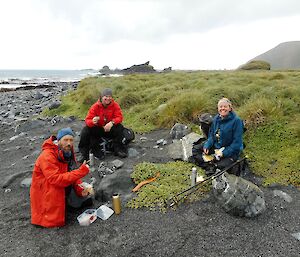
x=128, y=136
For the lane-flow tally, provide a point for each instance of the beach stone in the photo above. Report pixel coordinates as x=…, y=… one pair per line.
x=117, y=163
x=54, y=105
x=179, y=130
x=296, y=235
x=286, y=197
x=26, y=182
x=238, y=196
x=132, y=152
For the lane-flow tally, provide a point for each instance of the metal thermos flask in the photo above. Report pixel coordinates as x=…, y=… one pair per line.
x=193, y=176
x=92, y=160
x=116, y=202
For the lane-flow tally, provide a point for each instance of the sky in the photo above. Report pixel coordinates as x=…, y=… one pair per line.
x=182, y=34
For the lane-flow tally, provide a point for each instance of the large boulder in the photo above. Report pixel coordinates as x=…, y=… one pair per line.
x=238, y=196
x=181, y=149
x=179, y=130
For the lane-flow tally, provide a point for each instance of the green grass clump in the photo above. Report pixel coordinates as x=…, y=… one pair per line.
x=256, y=65
x=273, y=153
x=174, y=178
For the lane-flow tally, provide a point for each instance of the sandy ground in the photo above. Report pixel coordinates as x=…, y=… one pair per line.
x=198, y=229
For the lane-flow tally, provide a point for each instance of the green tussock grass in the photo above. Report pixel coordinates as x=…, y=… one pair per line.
x=268, y=101
x=174, y=178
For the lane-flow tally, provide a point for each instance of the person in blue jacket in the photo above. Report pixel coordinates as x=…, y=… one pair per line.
x=225, y=139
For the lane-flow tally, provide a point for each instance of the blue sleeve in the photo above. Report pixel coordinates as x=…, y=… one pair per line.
x=237, y=143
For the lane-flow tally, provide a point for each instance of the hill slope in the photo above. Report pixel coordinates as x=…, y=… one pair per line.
x=284, y=56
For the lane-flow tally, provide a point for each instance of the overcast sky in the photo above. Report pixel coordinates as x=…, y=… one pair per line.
x=183, y=34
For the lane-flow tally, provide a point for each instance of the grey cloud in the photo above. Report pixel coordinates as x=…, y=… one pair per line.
x=162, y=18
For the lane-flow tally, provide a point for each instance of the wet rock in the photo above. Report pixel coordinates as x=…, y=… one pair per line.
x=296, y=235
x=132, y=152
x=179, y=130
x=238, y=196
x=54, y=105
x=26, y=182
x=286, y=197
x=117, y=164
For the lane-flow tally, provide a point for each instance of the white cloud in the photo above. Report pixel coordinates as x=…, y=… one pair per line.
x=184, y=34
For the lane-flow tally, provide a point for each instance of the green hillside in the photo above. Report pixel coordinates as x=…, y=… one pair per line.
x=268, y=101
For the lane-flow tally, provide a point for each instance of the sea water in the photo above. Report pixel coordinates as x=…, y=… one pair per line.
x=18, y=78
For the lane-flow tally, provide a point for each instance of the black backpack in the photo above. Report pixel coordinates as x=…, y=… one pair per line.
x=128, y=136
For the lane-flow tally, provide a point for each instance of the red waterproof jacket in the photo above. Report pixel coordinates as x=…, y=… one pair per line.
x=50, y=177
x=110, y=113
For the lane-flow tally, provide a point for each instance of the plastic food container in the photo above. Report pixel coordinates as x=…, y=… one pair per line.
x=104, y=212
x=87, y=217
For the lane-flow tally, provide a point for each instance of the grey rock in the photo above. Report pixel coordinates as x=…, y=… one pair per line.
x=26, y=182
x=117, y=164
x=179, y=130
x=286, y=197
x=296, y=235
x=54, y=105
x=187, y=144
x=132, y=152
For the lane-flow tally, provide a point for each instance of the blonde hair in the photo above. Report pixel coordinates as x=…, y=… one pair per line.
x=225, y=100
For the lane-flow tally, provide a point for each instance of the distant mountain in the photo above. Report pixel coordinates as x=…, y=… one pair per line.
x=284, y=56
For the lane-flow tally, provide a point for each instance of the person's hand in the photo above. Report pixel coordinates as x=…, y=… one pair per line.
x=205, y=150
x=84, y=193
x=85, y=163
x=96, y=119
x=108, y=126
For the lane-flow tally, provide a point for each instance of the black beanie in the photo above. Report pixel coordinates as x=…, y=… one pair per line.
x=106, y=92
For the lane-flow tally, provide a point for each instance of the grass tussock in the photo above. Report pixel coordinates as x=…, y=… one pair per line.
x=268, y=101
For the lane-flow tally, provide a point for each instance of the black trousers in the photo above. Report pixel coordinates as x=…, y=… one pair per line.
x=90, y=138
x=197, y=152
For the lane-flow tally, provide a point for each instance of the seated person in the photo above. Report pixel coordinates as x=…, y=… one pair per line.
x=55, y=177
x=225, y=139
x=103, y=120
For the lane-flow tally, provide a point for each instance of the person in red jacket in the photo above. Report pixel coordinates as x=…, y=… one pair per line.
x=53, y=178
x=103, y=120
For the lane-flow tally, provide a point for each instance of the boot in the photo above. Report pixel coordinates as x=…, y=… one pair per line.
x=120, y=150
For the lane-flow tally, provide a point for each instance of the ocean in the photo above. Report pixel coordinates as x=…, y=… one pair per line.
x=18, y=78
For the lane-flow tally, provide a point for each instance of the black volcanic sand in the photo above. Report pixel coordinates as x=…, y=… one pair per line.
x=198, y=229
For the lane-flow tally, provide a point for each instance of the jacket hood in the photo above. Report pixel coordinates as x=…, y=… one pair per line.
x=49, y=143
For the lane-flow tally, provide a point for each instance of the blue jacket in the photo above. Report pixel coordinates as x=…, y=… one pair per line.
x=231, y=130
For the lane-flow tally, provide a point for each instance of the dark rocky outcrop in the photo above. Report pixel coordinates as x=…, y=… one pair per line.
x=139, y=68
